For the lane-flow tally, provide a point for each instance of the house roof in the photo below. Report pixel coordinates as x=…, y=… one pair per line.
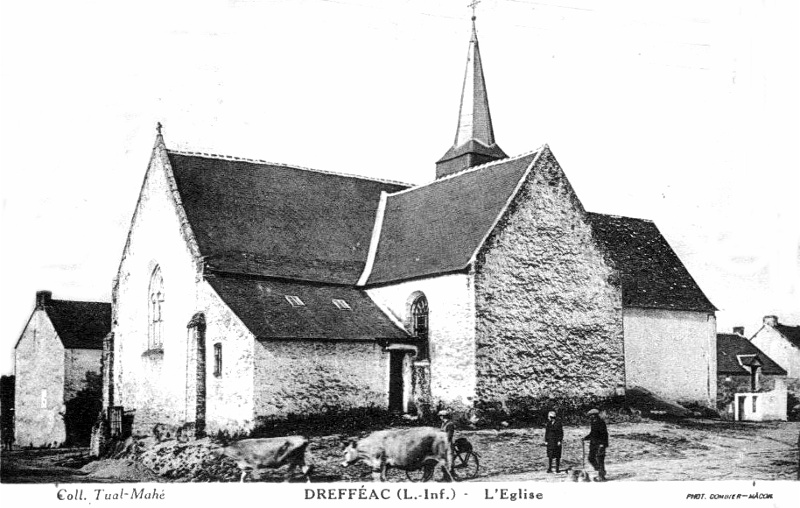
x=80, y=325
x=730, y=346
x=279, y=221
x=436, y=228
x=792, y=333
x=263, y=307
x=652, y=275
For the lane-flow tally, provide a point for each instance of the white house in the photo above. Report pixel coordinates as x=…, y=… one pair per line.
x=57, y=371
x=782, y=343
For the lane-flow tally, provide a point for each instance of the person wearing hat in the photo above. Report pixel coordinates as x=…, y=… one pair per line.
x=553, y=436
x=598, y=442
x=447, y=425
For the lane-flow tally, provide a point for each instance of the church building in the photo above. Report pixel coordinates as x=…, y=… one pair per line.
x=251, y=290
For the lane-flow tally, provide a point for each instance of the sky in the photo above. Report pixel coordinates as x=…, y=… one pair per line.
x=683, y=112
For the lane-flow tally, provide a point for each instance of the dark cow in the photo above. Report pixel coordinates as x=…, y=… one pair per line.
x=270, y=453
x=406, y=449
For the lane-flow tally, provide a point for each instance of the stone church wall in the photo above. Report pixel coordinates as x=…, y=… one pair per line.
x=152, y=382
x=549, y=312
x=306, y=377
x=229, y=396
x=451, y=306
x=672, y=354
x=39, y=365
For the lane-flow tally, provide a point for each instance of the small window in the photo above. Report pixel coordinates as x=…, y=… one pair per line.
x=218, y=359
x=341, y=304
x=116, y=420
x=44, y=398
x=295, y=301
x=755, y=406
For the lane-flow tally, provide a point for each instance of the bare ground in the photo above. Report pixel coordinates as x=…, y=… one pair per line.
x=646, y=451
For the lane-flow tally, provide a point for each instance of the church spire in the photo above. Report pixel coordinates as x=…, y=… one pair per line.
x=474, y=143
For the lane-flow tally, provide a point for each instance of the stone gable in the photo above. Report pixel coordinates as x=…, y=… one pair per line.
x=548, y=307
x=153, y=382
x=39, y=365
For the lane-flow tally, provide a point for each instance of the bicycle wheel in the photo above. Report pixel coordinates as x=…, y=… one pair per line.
x=465, y=465
x=423, y=474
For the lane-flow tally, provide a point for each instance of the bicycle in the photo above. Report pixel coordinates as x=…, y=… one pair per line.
x=466, y=464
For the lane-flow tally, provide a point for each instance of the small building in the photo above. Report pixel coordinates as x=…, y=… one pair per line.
x=57, y=367
x=782, y=343
x=7, y=411
x=748, y=380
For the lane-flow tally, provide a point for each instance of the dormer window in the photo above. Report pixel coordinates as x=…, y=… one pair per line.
x=295, y=301
x=341, y=304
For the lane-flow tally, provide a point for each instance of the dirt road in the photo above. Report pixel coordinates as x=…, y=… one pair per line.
x=691, y=450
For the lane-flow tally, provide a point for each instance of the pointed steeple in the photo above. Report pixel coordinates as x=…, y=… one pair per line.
x=474, y=143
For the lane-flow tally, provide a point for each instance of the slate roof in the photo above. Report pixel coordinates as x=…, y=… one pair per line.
x=436, y=228
x=263, y=308
x=652, y=275
x=729, y=345
x=279, y=221
x=792, y=333
x=80, y=325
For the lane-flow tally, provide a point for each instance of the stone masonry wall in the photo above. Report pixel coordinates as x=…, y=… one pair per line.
x=229, y=397
x=77, y=362
x=672, y=354
x=39, y=365
x=549, y=312
x=451, y=305
x=307, y=377
x=151, y=382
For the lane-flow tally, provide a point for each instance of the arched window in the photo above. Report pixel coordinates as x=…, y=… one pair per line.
x=155, y=311
x=419, y=325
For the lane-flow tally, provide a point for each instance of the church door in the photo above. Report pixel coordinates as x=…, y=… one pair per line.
x=396, y=381
x=196, y=376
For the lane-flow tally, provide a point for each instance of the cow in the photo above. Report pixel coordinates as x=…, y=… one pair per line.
x=270, y=453
x=407, y=449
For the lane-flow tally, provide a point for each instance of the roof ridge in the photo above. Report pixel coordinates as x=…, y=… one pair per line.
x=471, y=169
x=614, y=216
x=280, y=164
x=78, y=301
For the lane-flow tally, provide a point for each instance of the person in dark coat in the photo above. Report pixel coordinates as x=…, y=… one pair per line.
x=598, y=442
x=553, y=436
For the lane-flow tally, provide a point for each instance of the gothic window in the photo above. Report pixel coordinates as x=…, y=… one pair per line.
x=218, y=359
x=419, y=325
x=155, y=305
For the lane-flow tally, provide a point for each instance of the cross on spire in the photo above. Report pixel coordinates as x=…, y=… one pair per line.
x=158, y=128
x=474, y=5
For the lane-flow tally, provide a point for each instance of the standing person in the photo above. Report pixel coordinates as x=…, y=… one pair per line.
x=598, y=442
x=553, y=436
x=447, y=425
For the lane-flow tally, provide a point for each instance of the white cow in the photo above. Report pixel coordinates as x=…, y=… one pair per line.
x=270, y=453
x=407, y=449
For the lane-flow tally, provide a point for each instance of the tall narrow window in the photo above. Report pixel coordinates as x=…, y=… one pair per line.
x=44, y=398
x=419, y=325
x=218, y=359
x=155, y=339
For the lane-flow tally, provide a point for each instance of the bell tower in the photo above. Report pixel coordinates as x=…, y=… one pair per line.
x=474, y=143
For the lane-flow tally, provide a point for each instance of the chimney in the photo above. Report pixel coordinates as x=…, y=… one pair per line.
x=771, y=320
x=43, y=298
x=739, y=330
